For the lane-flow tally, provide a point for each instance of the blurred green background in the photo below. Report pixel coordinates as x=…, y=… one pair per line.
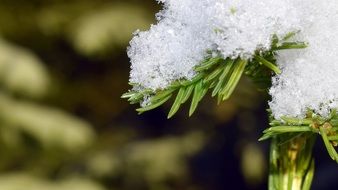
x=63, y=126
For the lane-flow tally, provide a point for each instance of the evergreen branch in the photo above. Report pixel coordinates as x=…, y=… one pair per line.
x=291, y=162
x=215, y=74
x=290, y=128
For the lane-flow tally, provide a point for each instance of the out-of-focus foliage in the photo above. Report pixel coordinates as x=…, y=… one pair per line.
x=17, y=181
x=63, y=68
x=152, y=162
x=105, y=30
x=27, y=128
x=50, y=127
x=254, y=173
x=21, y=71
x=94, y=28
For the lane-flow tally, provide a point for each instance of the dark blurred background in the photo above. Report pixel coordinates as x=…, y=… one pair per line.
x=63, y=126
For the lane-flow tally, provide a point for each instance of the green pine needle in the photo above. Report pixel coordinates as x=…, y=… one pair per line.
x=180, y=96
x=153, y=105
x=330, y=149
x=268, y=64
x=196, y=97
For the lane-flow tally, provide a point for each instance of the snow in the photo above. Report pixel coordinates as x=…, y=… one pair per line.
x=309, y=80
x=187, y=29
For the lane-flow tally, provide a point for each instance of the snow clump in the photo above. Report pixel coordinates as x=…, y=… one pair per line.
x=187, y=29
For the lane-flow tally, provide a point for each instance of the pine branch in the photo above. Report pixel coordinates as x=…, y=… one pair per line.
x=215, y=74
x=325, y=127
x=291, y=162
